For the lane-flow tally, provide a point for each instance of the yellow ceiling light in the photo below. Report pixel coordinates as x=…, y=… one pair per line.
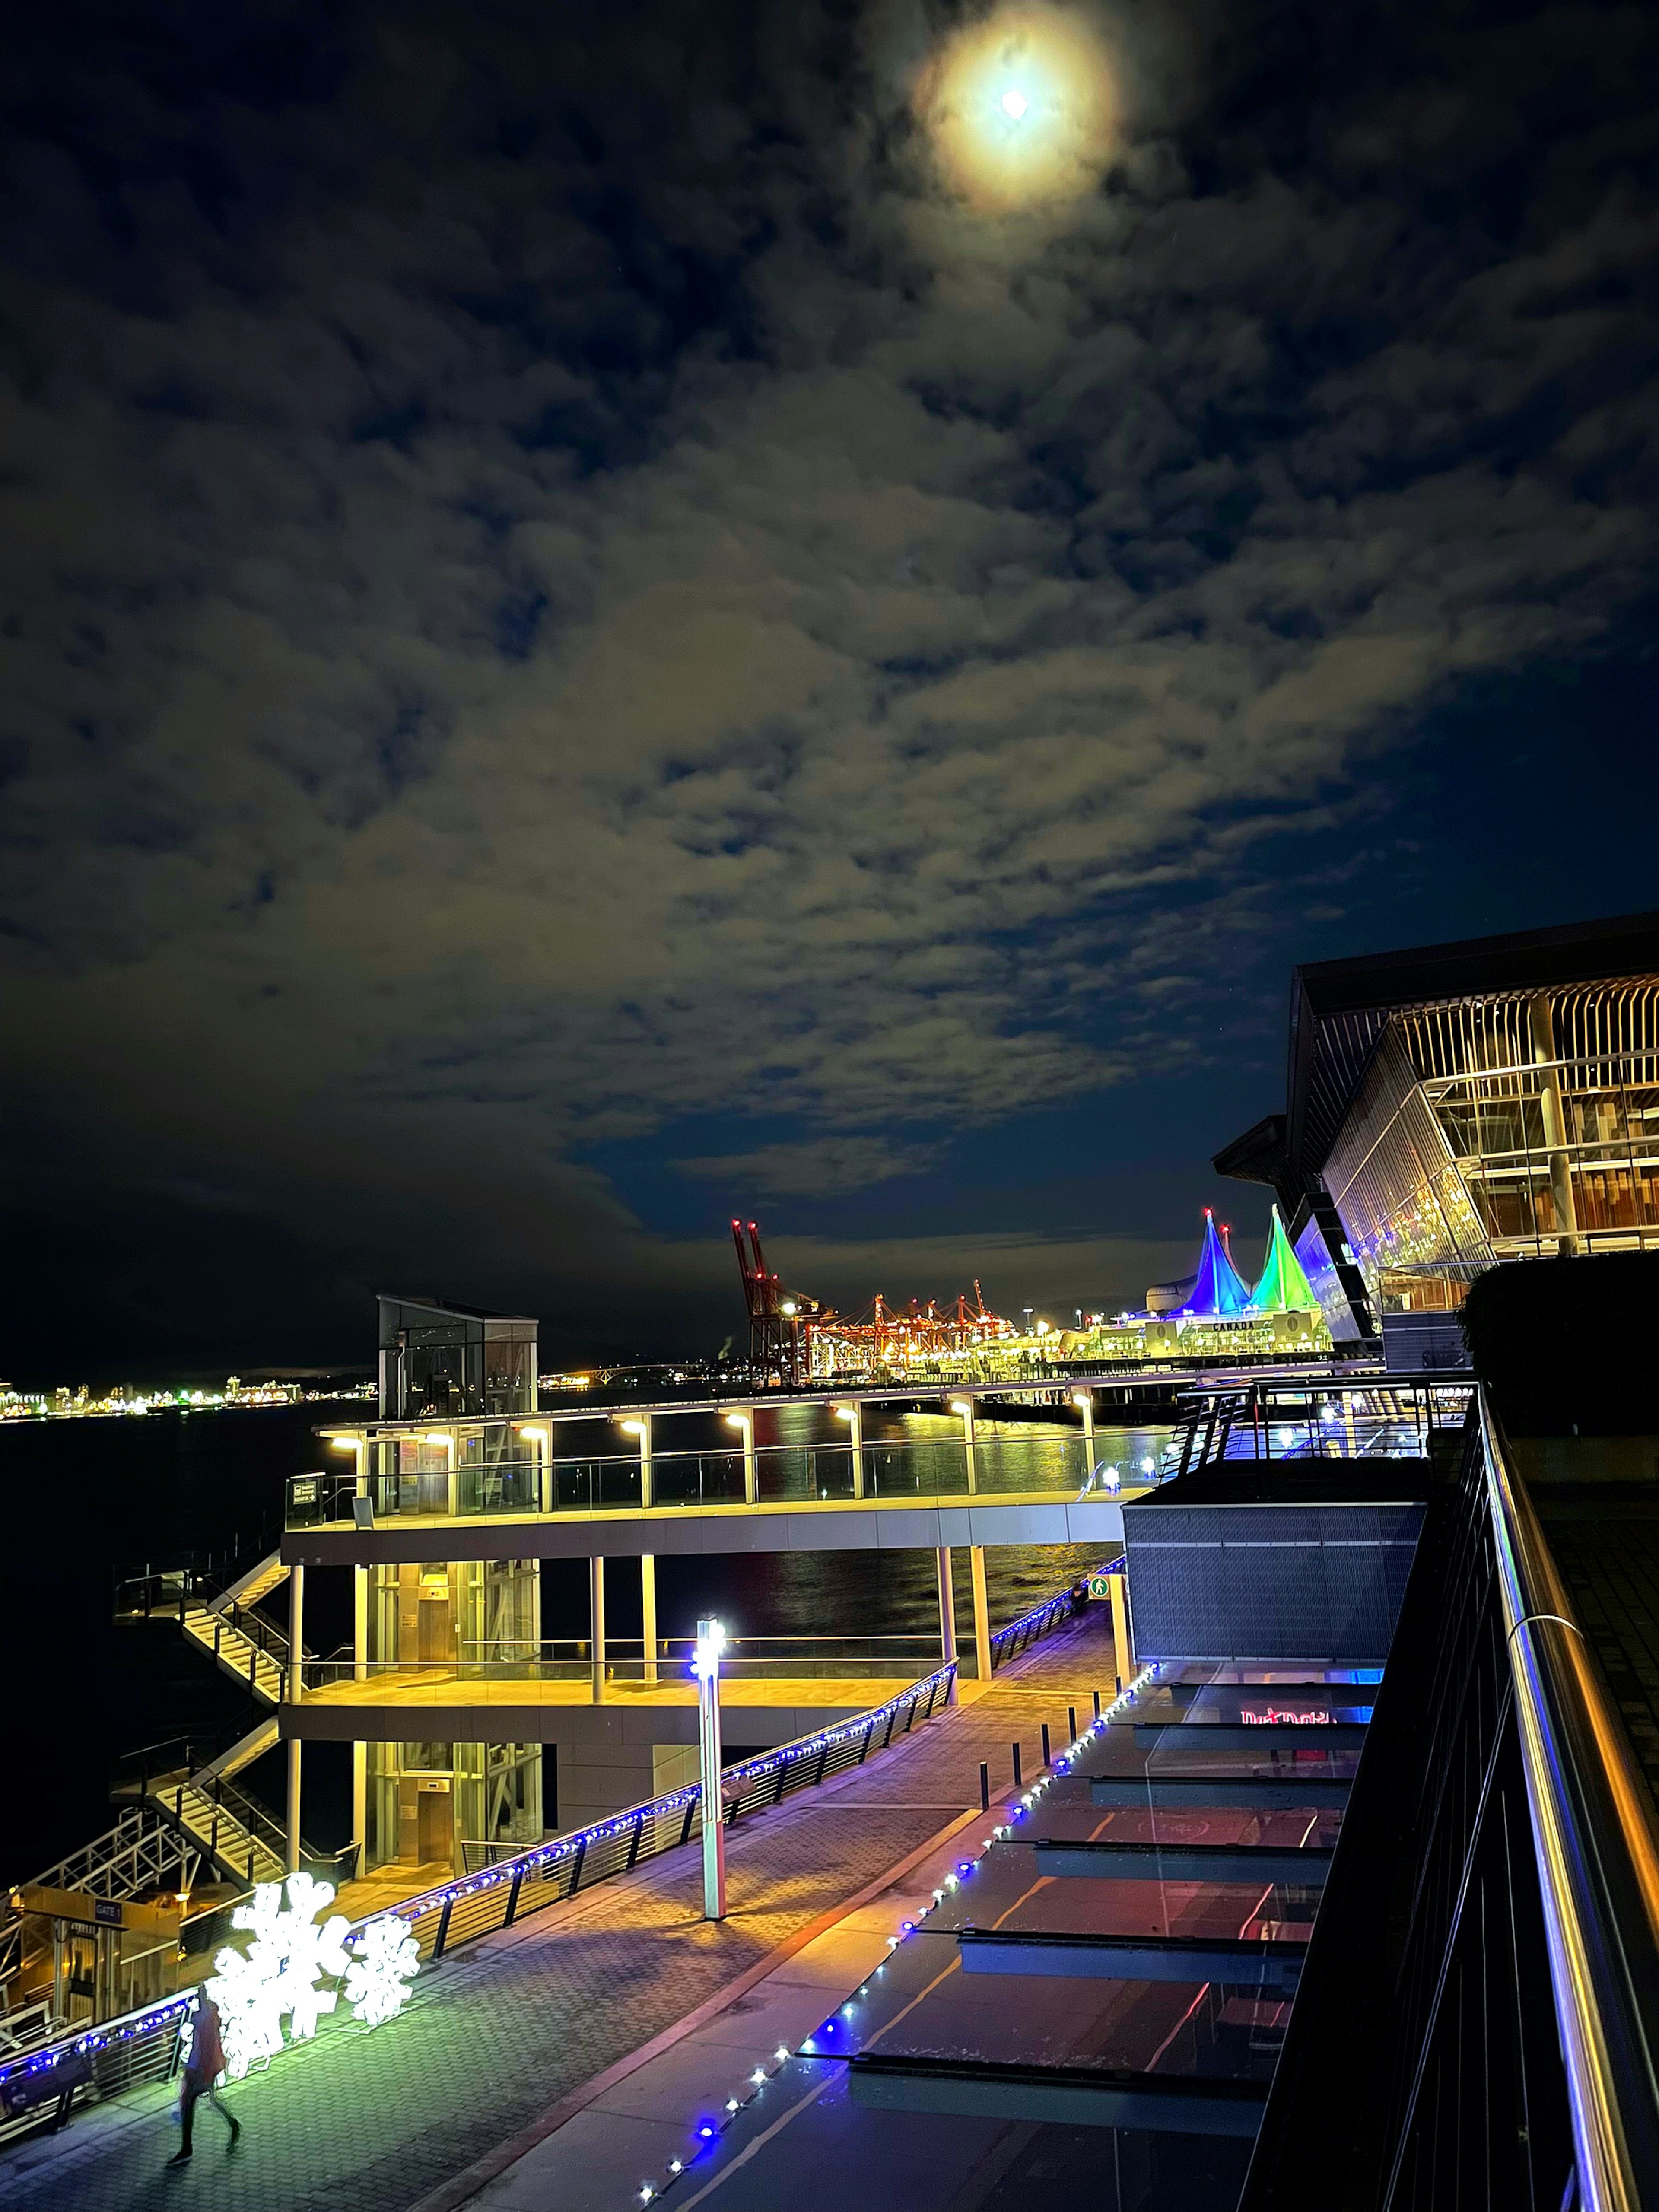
x=1020, y=107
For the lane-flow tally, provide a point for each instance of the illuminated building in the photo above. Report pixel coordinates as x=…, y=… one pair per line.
x=1458, y=1106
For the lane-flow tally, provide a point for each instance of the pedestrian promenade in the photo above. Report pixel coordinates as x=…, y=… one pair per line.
x=501, y=2040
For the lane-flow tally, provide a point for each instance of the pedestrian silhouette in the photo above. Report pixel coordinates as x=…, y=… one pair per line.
x=202, y=2067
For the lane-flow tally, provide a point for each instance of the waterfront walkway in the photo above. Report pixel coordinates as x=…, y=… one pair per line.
x=501, y=2039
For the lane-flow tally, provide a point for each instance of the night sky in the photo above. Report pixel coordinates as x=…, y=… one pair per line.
x=612, y=615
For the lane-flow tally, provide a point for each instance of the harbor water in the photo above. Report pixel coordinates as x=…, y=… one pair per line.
x=90, y=1501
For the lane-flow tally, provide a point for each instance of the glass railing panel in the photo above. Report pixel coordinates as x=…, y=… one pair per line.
x=817, y=1472
x=503, y=1486
x=1051, y=1462
x=697, y=1478
x=906, y=1470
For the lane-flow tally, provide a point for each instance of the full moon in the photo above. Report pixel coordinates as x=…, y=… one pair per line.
x=1020, y=108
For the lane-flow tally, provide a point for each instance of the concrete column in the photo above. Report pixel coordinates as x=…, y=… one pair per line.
x=596, y=1613
x=853, y=1417
x=1084, y=1402
x=1122, y=1626
x=360, y=1673
x=296, y=1637
x=540, y=1440
x=360, y=1804
x=981, y=1612
x=947, y=1615
x=648, y=1612
x=965, y=1407
x=1540, y=1021
x=645, y=1496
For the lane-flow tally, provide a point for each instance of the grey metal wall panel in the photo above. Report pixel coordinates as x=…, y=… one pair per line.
x=1244, y=1582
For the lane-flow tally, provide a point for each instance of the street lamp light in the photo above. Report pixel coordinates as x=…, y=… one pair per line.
x=706, y=1666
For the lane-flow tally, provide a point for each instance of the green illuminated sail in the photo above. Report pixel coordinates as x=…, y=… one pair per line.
x=1283, y=1287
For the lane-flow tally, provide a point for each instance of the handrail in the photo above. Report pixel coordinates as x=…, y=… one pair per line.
x=140, y=2044
x=1598, y=1862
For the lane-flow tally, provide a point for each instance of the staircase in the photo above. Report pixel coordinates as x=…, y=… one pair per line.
x=217, y=1821
x=242, y=1641
x=226, y=1825
x=139, y=1853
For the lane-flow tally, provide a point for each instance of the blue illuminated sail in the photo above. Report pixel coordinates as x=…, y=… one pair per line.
x=1218, y=1289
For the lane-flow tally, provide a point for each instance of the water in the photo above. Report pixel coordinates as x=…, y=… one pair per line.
x=89, y=1499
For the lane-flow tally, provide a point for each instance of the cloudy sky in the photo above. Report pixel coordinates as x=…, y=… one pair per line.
x=600, y=629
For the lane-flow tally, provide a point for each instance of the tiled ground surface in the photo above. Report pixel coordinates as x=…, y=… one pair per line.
x=358, y=2123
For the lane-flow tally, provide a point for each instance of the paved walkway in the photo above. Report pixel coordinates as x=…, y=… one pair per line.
x=516, y=2023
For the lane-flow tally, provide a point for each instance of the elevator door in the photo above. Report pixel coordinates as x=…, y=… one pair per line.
x=436, y=1836
x=436, y=1639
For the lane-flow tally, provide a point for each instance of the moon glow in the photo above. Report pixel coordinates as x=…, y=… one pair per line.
x=1020, y=108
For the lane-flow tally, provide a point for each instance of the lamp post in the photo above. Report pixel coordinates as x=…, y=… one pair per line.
x=744, y=1422
x=711, y=1641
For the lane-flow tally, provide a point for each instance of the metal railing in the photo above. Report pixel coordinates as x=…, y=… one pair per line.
x=552, y=1661
x=1598, y=1866
x=200, y=1576
x=42, y=2086
x=781, y=1474
x=1485, y=2011
x=1392, y=1419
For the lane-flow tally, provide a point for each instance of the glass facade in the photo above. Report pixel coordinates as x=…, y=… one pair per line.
x=442, y=1363
x=453, y=1803
x=1500, y=1129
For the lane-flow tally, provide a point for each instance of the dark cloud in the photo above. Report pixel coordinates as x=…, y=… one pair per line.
x=556, y=582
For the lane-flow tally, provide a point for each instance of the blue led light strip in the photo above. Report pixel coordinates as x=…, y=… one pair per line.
x=169, y=2011
x=709, y=2130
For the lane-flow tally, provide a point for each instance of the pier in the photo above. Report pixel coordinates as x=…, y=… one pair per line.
x=519, y=2043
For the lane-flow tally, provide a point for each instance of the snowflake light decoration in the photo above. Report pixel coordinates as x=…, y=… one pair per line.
x=279, y=1973
x=377, y=1980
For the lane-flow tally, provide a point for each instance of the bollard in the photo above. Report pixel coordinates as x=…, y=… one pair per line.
x=1017, y=1777
x=1096, y=1704
x=1047, y=1756
x=984, y=1787
x=1071, y=1724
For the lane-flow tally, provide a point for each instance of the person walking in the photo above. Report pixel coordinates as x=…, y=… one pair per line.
x=202, y=2068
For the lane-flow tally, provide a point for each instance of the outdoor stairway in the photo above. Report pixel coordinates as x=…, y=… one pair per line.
x=260, y=1663
x=240, y=1640
x=138, y=1854
x=225, y=1825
